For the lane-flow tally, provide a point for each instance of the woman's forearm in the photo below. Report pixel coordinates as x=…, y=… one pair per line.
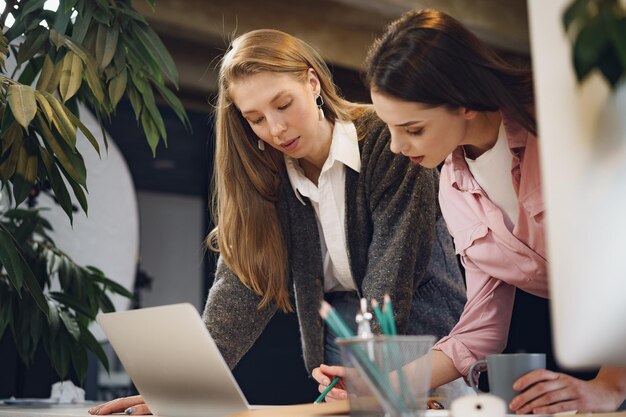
x=443, y=370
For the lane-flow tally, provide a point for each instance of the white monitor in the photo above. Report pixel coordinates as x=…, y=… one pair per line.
x=583, y=157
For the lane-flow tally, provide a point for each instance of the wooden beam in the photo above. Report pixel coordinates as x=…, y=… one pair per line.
x=341, y=32
x=501, y=23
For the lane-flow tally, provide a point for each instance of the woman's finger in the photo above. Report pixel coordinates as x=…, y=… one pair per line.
x=117, y=405
x=137, y=410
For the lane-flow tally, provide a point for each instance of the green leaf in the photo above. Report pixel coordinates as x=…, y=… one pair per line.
x=31, y=6
x=91, y=73
x=57, y=39
x=83, y=21
x=60, y=354
x=119, y=59
x=25, y=229
x=12, y=133
x=106, y=44
x=129, y=11
x=151, y=3
x=79, y=361
x=61, y=17
x=62, y=121
x=151, y=131
x=25, y=174
x=6, y=308
x=71, y=302
x=610, y=67
x=158, y=51
x=173, y=102
x=35, y=327
x=616, y=28
x=10, y=258
x=69, y=5
x=13, y=138
x=106, y=305
x=21, y=98
x=53, y=317
x=140, y=58
x=149, y=102
x=577, y=10
x=33, y=44
x=78, y=193
x=18, y=271
x=71, y=162
x=71, y=75
x=24, y=328
x=50, y=75
x=135, y=101
x=86, y=337
x=45, y=107
x=102, y=14
x=590, y=43
x=117, y=86
x=57, y=183
x=33, y=67
x=90, y=137
x=4, y=49
x=111, y=285
x=70, y=324
x=16, y=30
x=94, y=82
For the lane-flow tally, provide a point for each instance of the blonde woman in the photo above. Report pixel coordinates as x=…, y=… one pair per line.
x=311, y=204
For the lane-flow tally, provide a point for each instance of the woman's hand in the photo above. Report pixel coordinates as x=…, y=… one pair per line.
x=324, y=374
x=550, y=392
x=128, y=405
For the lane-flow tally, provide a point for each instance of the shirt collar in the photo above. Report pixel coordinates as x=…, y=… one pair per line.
x=517, y=138
x=344, y=148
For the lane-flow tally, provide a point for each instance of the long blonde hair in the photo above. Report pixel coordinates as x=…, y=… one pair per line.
x=247, y=181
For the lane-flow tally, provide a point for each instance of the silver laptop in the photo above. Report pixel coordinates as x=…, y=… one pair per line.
x=173, y=361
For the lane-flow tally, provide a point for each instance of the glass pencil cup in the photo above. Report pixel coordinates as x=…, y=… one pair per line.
x=387, y=375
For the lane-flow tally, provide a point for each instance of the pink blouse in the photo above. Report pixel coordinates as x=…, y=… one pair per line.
x=496, y=260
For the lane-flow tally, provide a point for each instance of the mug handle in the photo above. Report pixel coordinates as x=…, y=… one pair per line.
x=475, y=370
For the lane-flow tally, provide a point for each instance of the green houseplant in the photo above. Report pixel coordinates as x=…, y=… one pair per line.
x=597, y=29
x=93, y=52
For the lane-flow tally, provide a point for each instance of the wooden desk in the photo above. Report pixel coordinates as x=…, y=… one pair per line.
x=334, y=409
x=65, y=410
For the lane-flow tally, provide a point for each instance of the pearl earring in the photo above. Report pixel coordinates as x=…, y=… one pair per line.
x=261, y=145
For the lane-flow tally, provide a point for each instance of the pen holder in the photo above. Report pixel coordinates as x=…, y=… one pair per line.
x=387, y=375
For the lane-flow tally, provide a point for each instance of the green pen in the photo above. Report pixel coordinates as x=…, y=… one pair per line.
x=327, y=390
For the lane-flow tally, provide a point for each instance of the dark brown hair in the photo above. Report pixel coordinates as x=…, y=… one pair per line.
x=429, y=57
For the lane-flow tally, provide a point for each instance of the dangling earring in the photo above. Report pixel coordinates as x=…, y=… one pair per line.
x=319, y=101
x=261, y=145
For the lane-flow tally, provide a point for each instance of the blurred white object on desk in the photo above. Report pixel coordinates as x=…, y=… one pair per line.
x=65, y=392
x=483, y=405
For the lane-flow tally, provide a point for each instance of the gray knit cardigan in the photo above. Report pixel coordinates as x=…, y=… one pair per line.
x=393, y=225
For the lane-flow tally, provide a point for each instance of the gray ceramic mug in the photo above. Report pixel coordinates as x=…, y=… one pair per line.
x=503, y=370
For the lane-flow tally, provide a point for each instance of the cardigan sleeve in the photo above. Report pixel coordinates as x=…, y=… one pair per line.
x=232, y=316
x=401, y=199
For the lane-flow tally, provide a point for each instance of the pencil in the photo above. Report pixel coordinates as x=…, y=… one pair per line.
x=382, y=319
x=388, y=310
x=327, y=390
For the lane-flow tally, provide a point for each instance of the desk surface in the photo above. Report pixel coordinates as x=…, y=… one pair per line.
x=337, y=409
x=65, y=410
x=334, y=409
